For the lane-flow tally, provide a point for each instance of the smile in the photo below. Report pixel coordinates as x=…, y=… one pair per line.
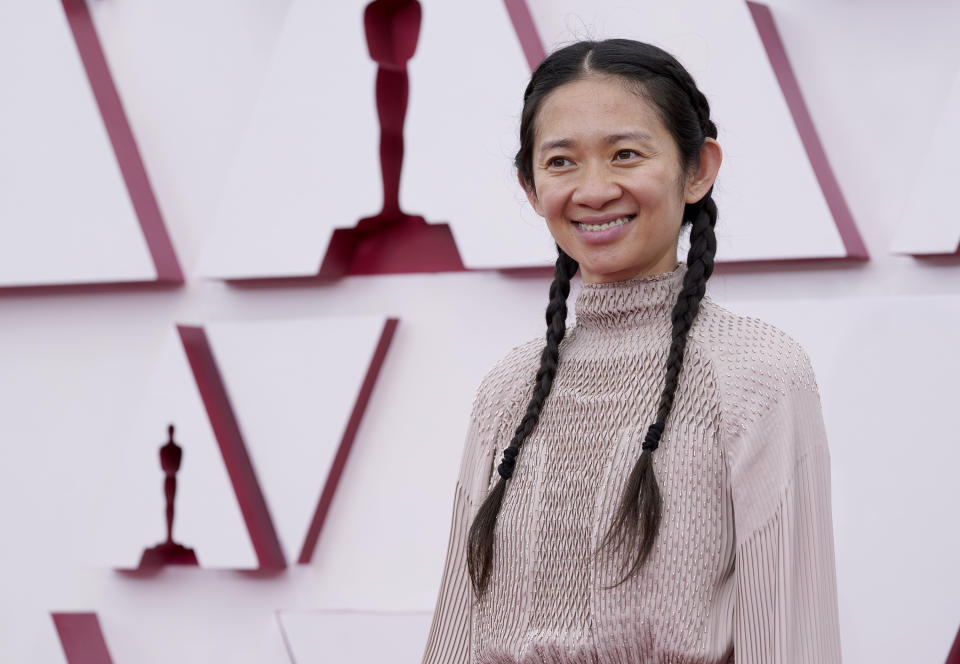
x=604, y=226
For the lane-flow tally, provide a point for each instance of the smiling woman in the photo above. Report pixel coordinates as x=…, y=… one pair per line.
x=588, y=546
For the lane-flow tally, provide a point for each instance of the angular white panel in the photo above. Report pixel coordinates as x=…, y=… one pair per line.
x=207, y=513
x=461, y=135
x=309, y=161
x=65, y=213
x=44, y=640
x=293, y=385
x=359, y=637
x=931, y=224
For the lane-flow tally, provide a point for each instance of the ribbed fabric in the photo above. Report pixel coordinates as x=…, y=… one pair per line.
x=743, y=567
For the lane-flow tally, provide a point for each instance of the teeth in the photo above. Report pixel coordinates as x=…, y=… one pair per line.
x=602, y=227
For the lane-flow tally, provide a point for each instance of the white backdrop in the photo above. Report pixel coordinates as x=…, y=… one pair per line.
x=76, y=364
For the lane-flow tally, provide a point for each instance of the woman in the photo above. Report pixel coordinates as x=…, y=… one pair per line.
x=654, y=485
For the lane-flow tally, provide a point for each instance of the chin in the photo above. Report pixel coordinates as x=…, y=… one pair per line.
x=604, y=265
x=603, y=273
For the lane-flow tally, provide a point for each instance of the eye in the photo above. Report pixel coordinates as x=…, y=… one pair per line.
x=626, y=154
x=557, y=162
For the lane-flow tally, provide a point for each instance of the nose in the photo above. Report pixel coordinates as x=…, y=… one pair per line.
x=596, y=188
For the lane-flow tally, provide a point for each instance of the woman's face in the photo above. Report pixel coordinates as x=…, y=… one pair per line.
x=607, y=180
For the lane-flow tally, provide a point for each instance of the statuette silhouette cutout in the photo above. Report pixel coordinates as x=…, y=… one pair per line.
x=392, y=241
x=169, y=552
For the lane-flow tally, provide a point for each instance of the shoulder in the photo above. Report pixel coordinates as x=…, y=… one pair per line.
x=502, y=394
x=756, y=363
x=503, y=387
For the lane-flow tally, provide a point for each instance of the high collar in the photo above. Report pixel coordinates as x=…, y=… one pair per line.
x=634, y=301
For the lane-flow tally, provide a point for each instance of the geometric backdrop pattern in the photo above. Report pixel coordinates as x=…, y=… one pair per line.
x=280, y=210
x=252, y=404
x=293, y=392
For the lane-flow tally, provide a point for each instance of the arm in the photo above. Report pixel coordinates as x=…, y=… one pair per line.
x=786, y=607
x=449, y=639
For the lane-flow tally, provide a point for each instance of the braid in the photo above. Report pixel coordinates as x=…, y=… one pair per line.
x=644, y=515
x=703, y=247
x=640, y=508
x=480, y=539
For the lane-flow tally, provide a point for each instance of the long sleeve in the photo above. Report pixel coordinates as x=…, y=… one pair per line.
x=450, y=630
x=449, y=640
x=786, y=590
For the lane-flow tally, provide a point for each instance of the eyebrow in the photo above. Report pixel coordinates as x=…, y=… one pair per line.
x=611, y=138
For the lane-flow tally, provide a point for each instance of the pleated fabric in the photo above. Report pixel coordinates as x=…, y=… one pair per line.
x=743, y=567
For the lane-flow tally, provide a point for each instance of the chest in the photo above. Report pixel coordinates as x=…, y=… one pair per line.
x=570, y=479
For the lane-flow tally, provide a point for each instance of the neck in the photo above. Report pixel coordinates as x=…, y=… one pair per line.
x=631, y=302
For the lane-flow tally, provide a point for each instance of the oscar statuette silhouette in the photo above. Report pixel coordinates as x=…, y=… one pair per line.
x=169, y=552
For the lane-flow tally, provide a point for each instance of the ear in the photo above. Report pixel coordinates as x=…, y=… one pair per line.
x=531, y=195
x=699, y=182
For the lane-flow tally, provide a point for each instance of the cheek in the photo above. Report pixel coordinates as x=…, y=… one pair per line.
x=653, y=192
x=552, y=201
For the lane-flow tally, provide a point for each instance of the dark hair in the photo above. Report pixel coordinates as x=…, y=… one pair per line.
x=684, y=111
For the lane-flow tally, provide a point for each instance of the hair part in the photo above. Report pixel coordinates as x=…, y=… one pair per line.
x=684, y=111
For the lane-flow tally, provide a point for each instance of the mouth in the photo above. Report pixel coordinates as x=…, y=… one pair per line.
x=619, y=221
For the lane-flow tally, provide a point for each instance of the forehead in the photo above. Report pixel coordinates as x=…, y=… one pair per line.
x=594, y=107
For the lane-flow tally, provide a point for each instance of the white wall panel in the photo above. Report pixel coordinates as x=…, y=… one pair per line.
x=461, y=135
x=188, y=105
x=65, y=213
x=293, y=386
x=930, y=225
x=318, y=637
x=44, y=642
x=309, y=160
